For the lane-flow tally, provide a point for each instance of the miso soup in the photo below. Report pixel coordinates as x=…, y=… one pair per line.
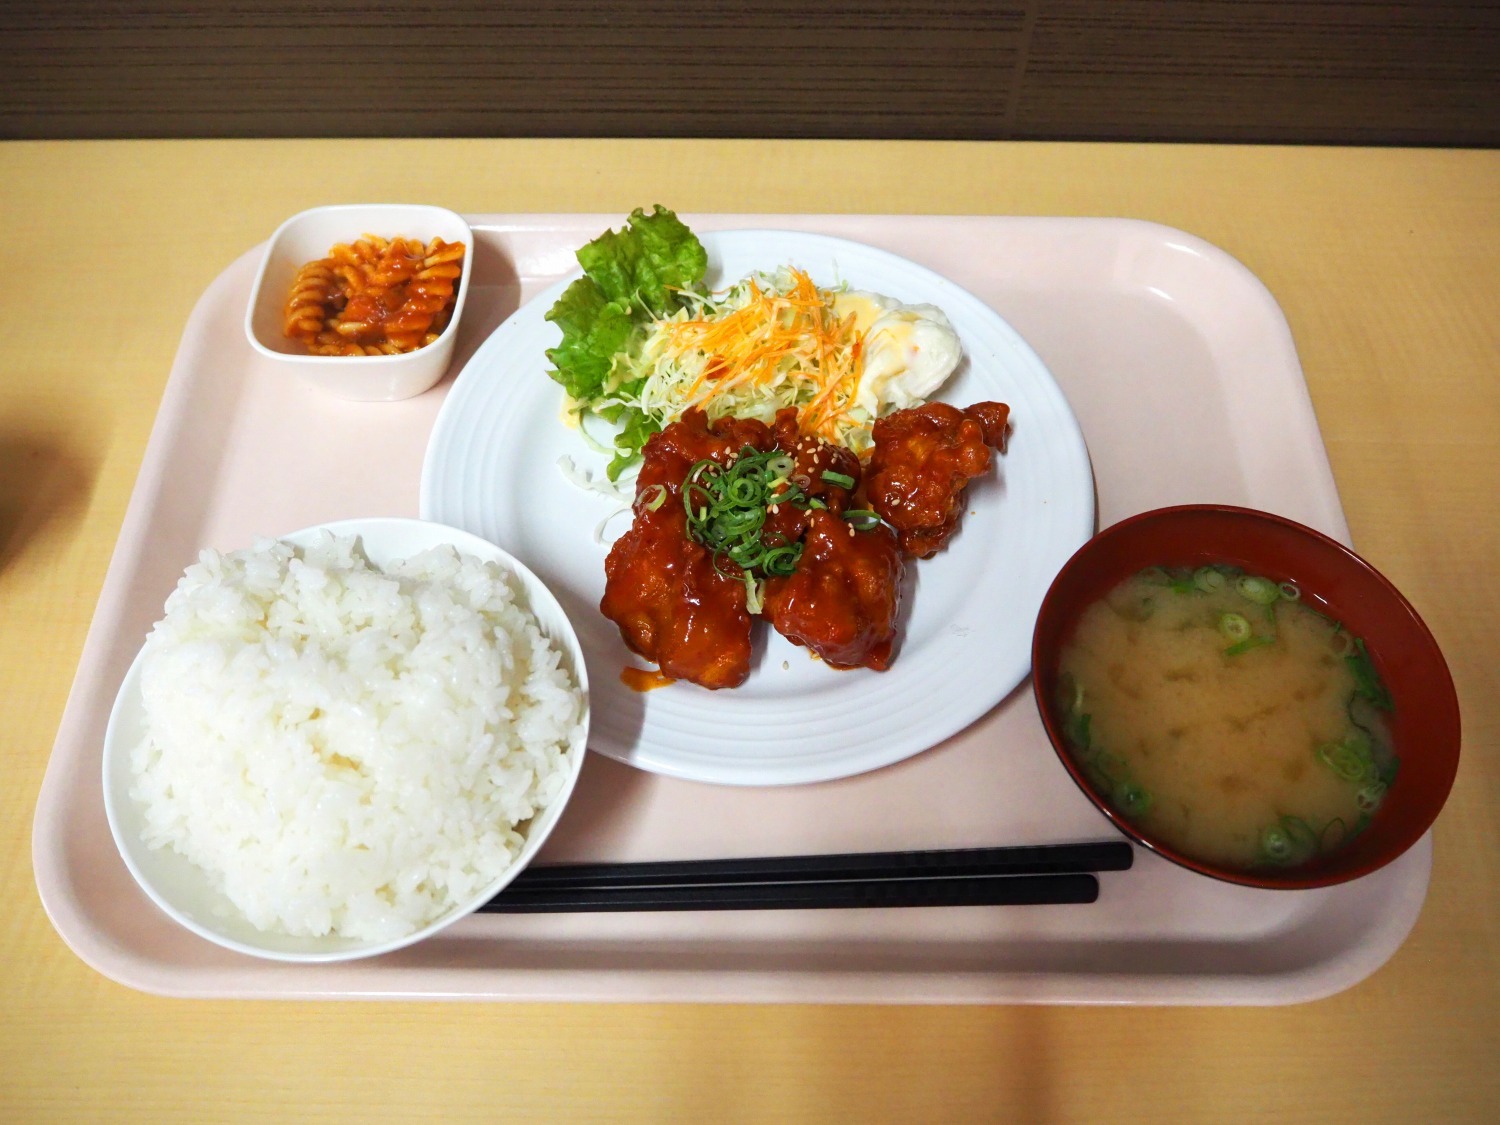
x=1224, y=717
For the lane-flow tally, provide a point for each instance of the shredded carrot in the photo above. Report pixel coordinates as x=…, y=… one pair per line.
x=788, y=335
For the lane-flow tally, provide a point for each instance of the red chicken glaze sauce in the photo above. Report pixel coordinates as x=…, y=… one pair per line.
x=921, y=464
x=673, y=605
x=843, y=599
x=679, y=606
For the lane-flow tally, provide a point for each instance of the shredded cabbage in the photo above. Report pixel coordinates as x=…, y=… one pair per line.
x=643, y=343
x=769, y=342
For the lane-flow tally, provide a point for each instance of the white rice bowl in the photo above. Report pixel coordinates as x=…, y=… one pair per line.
x=346, y=751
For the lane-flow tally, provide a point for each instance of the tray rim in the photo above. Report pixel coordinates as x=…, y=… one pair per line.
x=744, y=986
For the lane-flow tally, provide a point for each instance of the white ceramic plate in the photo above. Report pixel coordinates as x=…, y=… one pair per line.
x=184, y=892
x=965, y=642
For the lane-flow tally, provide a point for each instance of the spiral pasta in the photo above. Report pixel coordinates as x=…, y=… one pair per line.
x=374, y=296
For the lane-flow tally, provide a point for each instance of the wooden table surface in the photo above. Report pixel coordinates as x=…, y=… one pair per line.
x=1387, y=264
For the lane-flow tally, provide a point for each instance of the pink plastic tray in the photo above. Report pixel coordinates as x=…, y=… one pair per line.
x=1183, y=375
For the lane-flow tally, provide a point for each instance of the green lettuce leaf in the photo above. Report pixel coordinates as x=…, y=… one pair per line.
x=631, y=439
x=594, y=329
x=644, y=263
x=631, y=276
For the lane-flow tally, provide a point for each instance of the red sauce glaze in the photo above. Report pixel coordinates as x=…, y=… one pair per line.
x=375, y=295
x=673, y=606
x=811, y=457
x=923, y=459
x=843, y=599
x=993, y=419
x=677, y=606
x=644, y=679
x=667, y=456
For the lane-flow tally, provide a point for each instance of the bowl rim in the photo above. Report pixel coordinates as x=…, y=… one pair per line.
x=367, y=362
x=1274, y=879
x=114, y=754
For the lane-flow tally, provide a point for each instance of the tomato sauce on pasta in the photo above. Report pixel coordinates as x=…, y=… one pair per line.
x=375, y=296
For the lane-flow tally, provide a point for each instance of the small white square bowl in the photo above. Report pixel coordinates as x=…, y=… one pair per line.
x=310, y=235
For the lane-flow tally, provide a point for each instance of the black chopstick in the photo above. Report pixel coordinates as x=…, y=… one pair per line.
x=1003, y=890
x=1028, y=859
x=1016, y=875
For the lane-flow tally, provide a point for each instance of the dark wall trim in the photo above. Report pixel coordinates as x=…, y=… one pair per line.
x=1330, y=71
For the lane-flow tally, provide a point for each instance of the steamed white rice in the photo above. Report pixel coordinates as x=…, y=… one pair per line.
x=344, y=750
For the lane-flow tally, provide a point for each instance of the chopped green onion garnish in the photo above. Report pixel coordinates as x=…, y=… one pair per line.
x=1131, y=799
x=1108, y=766
x=1348, y=759
x=1337, y=829
x=1076, y=729
x=1208, y=579
x=652, y=497
x=1366, y=680
x=839, y=479
x=1076, y=723
x=1276, y=845
x=753, y=600
x=781, y=560
x=726, y=510
x=1249, y=643
x=1370, y=795
x=743, y=491
x=863, y=520
x=1301, y=834
x=1290, y=591
x=748, y=554
x=1233, y=626
x=1261, y=591
x=1290, y=840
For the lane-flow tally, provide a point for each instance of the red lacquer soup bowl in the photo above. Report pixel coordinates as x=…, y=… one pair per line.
x=1332, y=579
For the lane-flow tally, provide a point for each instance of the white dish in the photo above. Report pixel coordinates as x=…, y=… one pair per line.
x=307, y=237
x=492, y=468
x=183, y=891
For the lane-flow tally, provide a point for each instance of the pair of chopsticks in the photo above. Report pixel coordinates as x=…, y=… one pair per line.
x=1005, y=876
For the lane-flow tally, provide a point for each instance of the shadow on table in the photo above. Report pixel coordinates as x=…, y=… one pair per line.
x=46, y=480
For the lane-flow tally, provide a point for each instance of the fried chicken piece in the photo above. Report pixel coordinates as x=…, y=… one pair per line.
x=843, y=598
x=812, y=457
x=922, y=461
x=993, y=419
x=673, y=606
x=668, y=456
